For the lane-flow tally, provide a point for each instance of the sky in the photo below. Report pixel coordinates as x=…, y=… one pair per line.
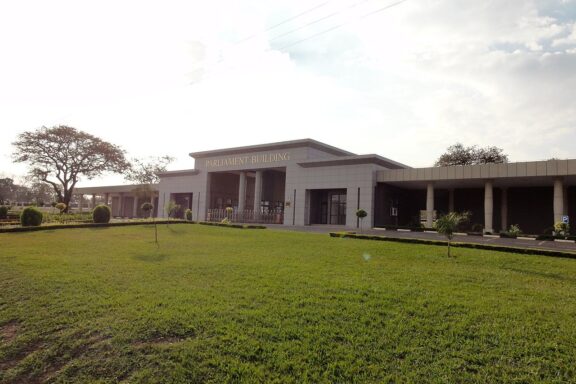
x=402, y=79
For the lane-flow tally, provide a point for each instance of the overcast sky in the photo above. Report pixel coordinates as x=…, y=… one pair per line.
x=170, y=77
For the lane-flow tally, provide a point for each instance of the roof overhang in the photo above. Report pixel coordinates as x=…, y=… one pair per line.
x=273, y=147
x=113, y=189
x=182, y=172
x=352, y=160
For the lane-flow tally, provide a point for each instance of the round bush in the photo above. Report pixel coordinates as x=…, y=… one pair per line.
x=101, y=214
x=30, y=217
x=3, y=212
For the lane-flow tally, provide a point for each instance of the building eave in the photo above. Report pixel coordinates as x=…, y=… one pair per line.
x=271, y=147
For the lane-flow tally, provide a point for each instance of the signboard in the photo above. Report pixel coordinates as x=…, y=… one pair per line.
x=566, y=219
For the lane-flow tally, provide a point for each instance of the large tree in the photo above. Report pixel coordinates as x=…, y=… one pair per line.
x=61, y=155
x=458, y=154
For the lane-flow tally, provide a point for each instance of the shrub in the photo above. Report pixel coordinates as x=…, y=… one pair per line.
x=561, y=229
x=101, y=214
x=147, y=208
x=225, y=221
x=3, y=212
x=31, y=217
x=188, y=214
x=61, y=207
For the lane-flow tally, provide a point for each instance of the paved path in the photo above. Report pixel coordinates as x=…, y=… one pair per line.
x=520, y=243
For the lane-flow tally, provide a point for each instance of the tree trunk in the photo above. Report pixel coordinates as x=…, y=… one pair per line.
x=448, y=248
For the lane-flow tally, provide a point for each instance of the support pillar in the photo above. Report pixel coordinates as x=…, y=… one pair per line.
x=80, y=198
x=558, y=200
x=488, y=207
x=430, y=205
x=135, y=209
x=451, y=200
x=257, y=193
x=106, y=198
x=121, y=200
x=93, y=200
x=504, y=210
x=242, y=192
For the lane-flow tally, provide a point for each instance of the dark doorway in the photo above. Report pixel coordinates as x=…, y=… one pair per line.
x=184, y=201
x=328, y=206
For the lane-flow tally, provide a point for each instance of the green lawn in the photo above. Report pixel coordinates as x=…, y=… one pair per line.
x=227, y=305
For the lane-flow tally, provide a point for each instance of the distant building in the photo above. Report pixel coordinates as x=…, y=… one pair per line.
x=306, y=182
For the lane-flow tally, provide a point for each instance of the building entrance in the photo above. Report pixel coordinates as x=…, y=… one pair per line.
x=328, y=206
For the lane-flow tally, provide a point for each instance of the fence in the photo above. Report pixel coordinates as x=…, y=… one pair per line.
x=247, y=216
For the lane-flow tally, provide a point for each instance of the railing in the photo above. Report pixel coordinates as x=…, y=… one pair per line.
x=247, y=216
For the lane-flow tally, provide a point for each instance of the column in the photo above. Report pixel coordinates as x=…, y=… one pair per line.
x=80, y=198
x=135, y=209
x=242, y=192
x=257, y=193
x=504, y=210
x=106, y=198
x=558, y=200
x=430, y=205
x=93, y=200
x=488, y=206
x=451, y=200
x=121, y=200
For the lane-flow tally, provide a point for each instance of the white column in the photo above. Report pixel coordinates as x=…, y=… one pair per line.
x=80, y=198
x=257, y=192
x=504, y=210
x=451, y=200
x=430, y=205
x=135, y=209
x=488, y=207
x=106, y=198
x=93, y=201
x=558, y=200
x=242, y=192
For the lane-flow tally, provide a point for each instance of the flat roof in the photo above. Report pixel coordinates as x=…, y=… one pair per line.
x=350, y=160
x=273, y=146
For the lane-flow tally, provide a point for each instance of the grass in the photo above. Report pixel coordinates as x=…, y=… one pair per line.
x=226, y=305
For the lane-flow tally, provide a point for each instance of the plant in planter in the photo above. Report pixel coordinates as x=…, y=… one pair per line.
x=229, y=211
x=361, y=214
x=188, y=214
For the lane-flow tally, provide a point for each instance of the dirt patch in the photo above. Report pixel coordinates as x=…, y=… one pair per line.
x=9, y=331
x=14, y=359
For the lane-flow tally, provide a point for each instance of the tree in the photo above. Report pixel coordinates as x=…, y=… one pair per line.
x=146, y=171
x=7, y=190
x=458, y=154
x=448, y=224
x=61, y=155
x=361, y=214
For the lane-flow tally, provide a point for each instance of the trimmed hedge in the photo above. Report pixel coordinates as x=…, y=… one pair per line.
x=31, y=217
x=240, y=226
x=90, y=225
x=101, y=214
x=498, y=248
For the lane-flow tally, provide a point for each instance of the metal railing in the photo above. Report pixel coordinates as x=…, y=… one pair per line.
x=246, y=216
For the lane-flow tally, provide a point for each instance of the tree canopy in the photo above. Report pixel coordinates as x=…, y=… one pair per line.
x=146, y=171
x=458, y=154
x=61, y=155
